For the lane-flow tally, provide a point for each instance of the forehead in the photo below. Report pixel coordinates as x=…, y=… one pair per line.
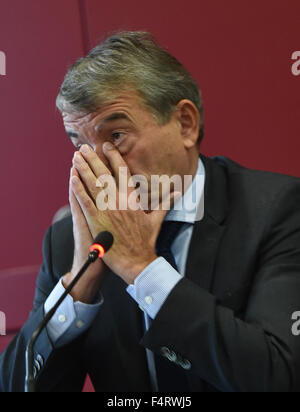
x=125, y=106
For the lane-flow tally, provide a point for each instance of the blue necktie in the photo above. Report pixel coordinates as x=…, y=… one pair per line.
x=170, y=378
x=167, y=235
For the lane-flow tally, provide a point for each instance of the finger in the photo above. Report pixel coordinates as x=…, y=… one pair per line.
x=95, y=163
x=72, y=199
x=118, y=164
x=86, y=204
x=77, y=215
x=86, y=174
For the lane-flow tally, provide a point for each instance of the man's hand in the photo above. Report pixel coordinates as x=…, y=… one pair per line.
x=87, y=288
x=135, y=232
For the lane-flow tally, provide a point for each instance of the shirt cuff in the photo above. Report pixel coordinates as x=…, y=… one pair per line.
x=71, y=318
x=152, y=287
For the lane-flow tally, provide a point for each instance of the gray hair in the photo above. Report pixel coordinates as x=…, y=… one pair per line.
x=129, y=60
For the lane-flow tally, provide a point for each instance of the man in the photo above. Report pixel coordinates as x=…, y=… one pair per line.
x=202, y=304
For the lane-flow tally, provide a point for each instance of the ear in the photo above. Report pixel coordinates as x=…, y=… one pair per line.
x=189, y=120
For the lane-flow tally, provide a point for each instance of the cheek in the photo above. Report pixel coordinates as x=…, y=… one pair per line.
x=148, y=160
x=149, y=153
x=127, y=148
x=138, y=158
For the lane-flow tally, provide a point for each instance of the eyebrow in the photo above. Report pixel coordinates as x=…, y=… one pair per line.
x=111, y=118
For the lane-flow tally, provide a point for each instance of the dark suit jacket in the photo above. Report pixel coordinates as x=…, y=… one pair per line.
x=230, y=316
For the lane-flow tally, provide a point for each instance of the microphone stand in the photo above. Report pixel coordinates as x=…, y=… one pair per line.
x=30, y=380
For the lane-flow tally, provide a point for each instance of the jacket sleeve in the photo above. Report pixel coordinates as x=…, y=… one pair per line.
x=57, y=370
x=255, y=352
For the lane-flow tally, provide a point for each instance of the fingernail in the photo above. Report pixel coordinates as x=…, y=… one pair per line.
x=85, y=149
x=78, y=157
x=108, y=146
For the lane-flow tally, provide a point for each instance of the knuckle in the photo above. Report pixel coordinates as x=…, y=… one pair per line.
x=86, y=202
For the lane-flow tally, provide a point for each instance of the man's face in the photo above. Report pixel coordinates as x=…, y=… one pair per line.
x=147, y=147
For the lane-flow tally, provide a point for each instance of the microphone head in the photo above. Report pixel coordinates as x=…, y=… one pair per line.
x=102, y=243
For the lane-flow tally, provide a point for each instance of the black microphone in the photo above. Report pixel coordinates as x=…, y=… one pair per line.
x=102, y=243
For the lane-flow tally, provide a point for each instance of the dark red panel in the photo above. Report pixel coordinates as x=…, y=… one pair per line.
x=240, y=53
x=16, y=295
x=40, y=39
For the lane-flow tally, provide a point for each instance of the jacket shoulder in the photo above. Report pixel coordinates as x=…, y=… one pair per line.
x=258, y=181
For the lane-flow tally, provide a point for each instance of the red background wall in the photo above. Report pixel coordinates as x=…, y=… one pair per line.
x=238, y=51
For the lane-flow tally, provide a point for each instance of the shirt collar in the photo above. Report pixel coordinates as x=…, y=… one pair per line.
x=190, y=207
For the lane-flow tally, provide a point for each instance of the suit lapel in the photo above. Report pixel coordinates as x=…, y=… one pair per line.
x=208, y=232
x=206, y=239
